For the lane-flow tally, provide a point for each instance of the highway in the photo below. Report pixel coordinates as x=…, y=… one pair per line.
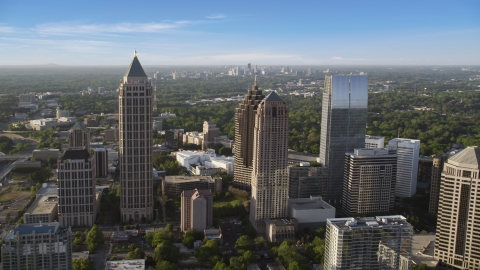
x=10, y=167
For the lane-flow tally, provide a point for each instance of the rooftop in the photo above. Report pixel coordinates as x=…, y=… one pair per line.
x=126, y=264
x=37, y=228
x=187, y=178
x=135, y=69
x=469, y=157
x=48, y=189
x=43, y=205
x=273, y=97
x=365, y=222
x=204, y=192
x=79, y=125
x=308, y=203
x=279, y=222
x=422, y=249
x=76, y=153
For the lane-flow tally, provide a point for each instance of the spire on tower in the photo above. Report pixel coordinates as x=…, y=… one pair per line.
x=135, y=53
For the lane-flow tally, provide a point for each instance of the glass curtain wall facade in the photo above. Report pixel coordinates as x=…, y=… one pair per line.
x=343, y=127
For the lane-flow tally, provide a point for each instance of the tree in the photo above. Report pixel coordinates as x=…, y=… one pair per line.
x=94, y=238
x=166, y=265
x=208, y=253
x=167, y=251
x=221, y=266
x=136, y=254
x=83, y=264
x=259, y=242
x=420, y=267
x=244, y=243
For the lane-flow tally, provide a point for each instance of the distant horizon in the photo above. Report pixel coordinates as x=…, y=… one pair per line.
x=353, y=33
x=244, y=65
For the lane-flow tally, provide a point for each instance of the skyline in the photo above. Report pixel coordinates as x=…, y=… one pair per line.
x=312, y=33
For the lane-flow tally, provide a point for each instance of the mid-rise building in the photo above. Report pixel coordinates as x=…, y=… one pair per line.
x=174, y=138
x=210, y=131
x=27, y=98
x=135, y=99
x=369, y=181
x=310, y=212
x=356, y=243
x=304, y=180
x=79, y=136
x=174, y=185
x=437, y=169
x=344, y=120
x=76, y=188
x=45, y=153
x=37, y=246
x=270, y=153
x=62, y=113
x=43, y=210
x=197, y=209
x=244, y=127
x=374, y=141
x=408, y=152
x=456, y=243
x=100, y=157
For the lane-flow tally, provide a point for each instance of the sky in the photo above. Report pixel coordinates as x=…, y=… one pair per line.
x=38, y=32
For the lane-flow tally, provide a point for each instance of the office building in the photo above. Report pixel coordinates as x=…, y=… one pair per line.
x=76, y=188
x=408, y=152
x=100, y=157
x=457, y=237
x=37, y=246
x=280, y=229
x=355, y=243
x=244, y=126
x=79, y=136
x=369, y=181
x=43, y=210
x=424, y=175
x=304, y=180
x=310, y=212
x=374, y=141
x=45, y=153
x=344, y=120
x=174, y=138
x=196, y=210
x=135, y=101
x=269, y=173
x=437, y=169
x=210, y=131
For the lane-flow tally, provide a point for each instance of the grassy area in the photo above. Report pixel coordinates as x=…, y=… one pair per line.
x=20, y=176
x=13, y=193
x=229, y=200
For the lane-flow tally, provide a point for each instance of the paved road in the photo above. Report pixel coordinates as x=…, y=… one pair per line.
x=10, y=167
x=101, y=254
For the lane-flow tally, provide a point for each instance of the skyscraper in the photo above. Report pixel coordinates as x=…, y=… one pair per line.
x=196, y=209
x=135, y=123
x=244, y=126
x=408, y=152
x=457, y=235
x=269, y=173
x=344, y=120
x=79, y=136
x=371, y=243
x=210, y=131
x=369, y=181
x=76, y=188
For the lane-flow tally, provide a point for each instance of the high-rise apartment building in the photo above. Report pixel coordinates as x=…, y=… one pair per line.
x=408, y=153
x=369, y=181
x=269, y=173
x=244, y=126
x=37, y=246
x=76, y=188
x=344, y=120
x=79, y=136
x=361, y=243
x=135, y=101
x=374, y=141
x=100, y=157
x=210, y=131
x=197, y=209
x=457, y=241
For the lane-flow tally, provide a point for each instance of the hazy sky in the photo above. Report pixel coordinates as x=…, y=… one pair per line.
x=238, y=32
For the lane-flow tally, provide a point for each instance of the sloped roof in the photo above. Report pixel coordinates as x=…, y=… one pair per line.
x=469, y=156
x=273, y=97
x=79, y=125
x=135, y=69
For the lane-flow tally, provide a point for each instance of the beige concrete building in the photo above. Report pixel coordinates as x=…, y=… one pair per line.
x=278, y=230
x=457, y=241
x=174, y=185
x=79, y=136
x=197, y=210
x=269, y=173
x=135, y=99
x=210, y=131
x=44, y=209
x=369, y=181
x=76, y=188
x=244, y=126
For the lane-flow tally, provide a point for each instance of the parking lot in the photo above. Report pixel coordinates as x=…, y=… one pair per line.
x=231, y=229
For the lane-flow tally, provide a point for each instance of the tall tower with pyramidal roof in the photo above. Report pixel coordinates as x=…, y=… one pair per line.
x=135, y=101
x=244, y=124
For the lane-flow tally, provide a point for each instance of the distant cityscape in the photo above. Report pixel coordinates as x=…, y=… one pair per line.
x=141, y=189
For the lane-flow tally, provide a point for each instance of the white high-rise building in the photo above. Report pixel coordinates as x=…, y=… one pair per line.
x=408, y=152
x=371, y=243
x=374, y=141
x=270, y=155
x=135, y=99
